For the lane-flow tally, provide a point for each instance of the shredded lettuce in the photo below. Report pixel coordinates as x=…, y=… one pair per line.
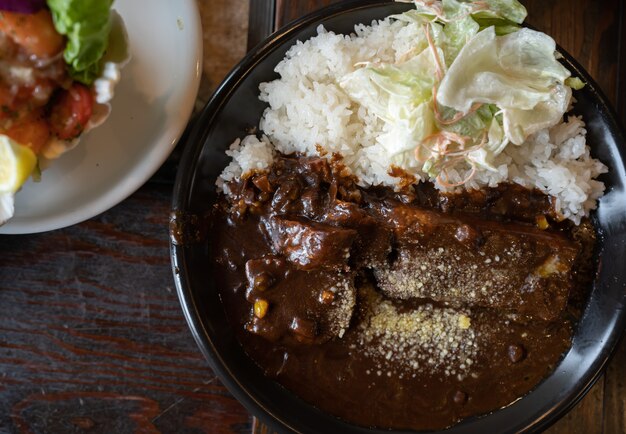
x=517, y=72
x=400, y=95
x=460, y=29
x=384, y=87
x=474, y=82
x=496, y=142
x=511, y=10
x=504, y=15
x=86, y=24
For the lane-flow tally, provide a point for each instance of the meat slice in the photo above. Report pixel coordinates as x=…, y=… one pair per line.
x=467, y=261
x=310, y=245
x=298, y=306
x=373, y=243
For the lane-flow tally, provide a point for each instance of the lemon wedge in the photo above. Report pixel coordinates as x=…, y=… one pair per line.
x=17, y=162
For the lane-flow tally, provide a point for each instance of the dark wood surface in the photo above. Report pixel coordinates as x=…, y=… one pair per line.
x=92, y=338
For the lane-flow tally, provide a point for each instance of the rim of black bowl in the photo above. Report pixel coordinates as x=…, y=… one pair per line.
x=182, y=196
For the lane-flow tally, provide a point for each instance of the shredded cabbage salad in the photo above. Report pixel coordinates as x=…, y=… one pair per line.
x=474, y=83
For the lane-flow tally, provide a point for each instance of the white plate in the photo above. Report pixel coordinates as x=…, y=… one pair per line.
x=151, y=107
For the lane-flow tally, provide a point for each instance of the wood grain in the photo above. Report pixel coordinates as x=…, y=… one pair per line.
x=91, y=333
x=588, y=30
x=262, y=21
x=289, y=10
x=586, y=417
x=224, y=33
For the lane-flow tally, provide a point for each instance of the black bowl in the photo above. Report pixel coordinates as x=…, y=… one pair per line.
x=234, y=108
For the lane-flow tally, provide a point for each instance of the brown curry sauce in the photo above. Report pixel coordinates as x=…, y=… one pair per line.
x=405, y=310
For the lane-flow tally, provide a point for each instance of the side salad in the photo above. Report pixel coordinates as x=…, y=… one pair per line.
x=59, y=63
x=474, y=83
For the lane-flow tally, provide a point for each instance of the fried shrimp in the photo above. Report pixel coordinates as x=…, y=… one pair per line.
x=34, y=33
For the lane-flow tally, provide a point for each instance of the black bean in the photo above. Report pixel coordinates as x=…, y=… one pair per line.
x=516, y=353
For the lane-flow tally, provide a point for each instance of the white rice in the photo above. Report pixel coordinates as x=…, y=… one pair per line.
x=248, y=155
x=308, y=108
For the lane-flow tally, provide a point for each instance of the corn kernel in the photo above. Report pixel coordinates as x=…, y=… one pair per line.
x=542, y=222
x=260, y=308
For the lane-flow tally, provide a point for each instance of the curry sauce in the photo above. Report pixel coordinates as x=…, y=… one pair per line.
x=408, y=309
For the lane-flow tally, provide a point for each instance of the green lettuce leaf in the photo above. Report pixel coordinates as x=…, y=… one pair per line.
x=519, y=124
x=408, y=130
x=486, y=19
x=517, y=72
x=400, y=95
x=494, y=146
x=504, y=15
x=511, y=10
x=459, y=29
x=472, y=125
x=391, y=89
x=86, y=24
x=457, y=33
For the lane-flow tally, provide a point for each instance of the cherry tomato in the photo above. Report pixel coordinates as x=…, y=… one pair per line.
x=71, y=110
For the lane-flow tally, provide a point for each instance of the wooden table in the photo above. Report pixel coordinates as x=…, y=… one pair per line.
x=92, y=338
